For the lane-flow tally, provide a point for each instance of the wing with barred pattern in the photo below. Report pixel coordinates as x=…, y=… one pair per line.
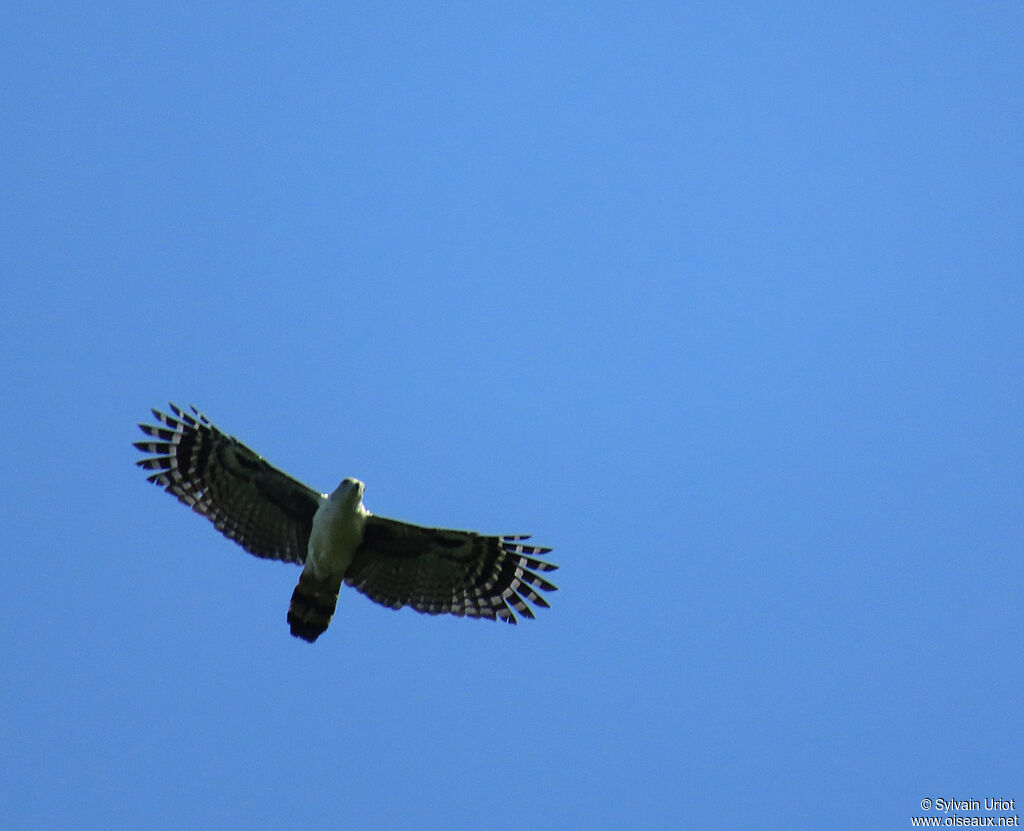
x=438, y=570
x=247, y=499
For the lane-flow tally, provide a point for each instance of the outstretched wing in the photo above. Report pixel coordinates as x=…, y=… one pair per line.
x=246, y=498
x=437, y=570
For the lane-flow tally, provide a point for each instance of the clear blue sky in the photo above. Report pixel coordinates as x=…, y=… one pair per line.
x=722, y=301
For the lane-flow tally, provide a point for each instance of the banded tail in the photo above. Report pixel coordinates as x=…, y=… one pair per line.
x=312, y=606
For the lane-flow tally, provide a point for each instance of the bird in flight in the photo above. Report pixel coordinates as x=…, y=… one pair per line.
x=334, y=537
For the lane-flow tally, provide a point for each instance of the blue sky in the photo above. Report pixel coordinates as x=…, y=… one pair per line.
x=724, y=302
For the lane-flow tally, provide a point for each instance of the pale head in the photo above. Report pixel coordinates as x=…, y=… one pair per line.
x=350, y=492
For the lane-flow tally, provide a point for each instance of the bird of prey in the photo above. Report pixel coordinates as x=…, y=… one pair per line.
x=334, y=537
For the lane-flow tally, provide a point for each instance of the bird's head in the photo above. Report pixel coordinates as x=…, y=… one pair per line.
x=349, y=491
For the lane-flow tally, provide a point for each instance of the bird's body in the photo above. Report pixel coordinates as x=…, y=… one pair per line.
x=336, y=533
x=337, y=530
x=334, y=537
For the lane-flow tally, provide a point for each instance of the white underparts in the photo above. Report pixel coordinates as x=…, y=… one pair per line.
x=337, y=533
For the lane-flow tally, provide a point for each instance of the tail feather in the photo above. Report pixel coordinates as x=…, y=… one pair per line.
x=312, y=606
